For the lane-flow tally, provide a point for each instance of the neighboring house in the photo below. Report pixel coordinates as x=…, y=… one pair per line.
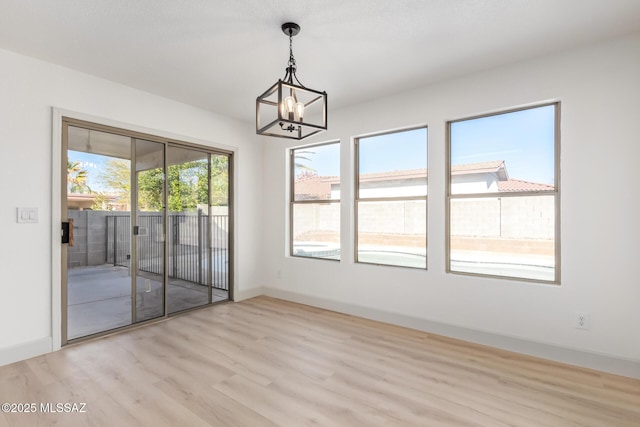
x=310, y=186
x=83, y=202
x=485, y=177
x=490, y=219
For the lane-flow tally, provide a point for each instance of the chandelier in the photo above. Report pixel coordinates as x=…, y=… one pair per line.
x=288, y=109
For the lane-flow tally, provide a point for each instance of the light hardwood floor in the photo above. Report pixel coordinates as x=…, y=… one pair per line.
x=267, y=362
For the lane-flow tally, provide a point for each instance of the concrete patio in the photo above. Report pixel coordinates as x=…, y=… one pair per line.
x=99, y=298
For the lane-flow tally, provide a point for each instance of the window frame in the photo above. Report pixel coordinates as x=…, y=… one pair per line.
x=293, y=202
x=542, y=193
x=357, y=199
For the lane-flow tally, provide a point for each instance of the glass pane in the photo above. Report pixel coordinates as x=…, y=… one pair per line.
x=393, y=165
x=504, y=152
x=188, y=200
x=316, y=172
x=393, y=233
x=150, y=222
x=316, y=230
x=219, y=180
x=504, y=236
x=98, y=201
x=219, y=223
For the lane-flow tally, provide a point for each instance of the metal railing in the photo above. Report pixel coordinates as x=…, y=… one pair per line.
x=189, y=255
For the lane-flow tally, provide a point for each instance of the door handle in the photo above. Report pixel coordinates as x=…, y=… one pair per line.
x=67, y=232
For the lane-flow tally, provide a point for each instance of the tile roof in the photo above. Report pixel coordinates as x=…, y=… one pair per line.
x=469, y=168
x=480, y=167
x=505, y=184
x=520, y=185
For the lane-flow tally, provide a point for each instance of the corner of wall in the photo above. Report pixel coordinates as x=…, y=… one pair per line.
x=24, y=351
x=248, y=293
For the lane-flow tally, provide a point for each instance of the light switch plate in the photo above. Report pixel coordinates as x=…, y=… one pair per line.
x=27, y=215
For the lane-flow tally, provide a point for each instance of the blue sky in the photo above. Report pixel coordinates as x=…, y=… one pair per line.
x=397, y=151
x=323, y=159
x=394, y=151
x=523, y=139
x=93, y=164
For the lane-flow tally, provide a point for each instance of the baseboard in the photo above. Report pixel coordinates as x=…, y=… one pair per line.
x=249, y=293
x=24, y=351
x=600, y=362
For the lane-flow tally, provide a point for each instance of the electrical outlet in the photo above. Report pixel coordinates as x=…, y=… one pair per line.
x=583, y=321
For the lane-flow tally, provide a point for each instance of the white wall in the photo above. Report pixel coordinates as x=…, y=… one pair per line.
x=30, y=88
x=599, y=90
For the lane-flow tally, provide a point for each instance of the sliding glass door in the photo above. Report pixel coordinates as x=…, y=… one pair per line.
x=148, y=228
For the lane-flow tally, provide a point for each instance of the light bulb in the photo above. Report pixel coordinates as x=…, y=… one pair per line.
x=299, y=111
x=288, y=107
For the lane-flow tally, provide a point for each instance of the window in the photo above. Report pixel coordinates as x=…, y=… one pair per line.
x=391, y=198
x=503, y=199
x=315, y=201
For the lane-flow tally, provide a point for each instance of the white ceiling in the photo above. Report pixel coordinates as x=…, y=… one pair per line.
x=221, y=54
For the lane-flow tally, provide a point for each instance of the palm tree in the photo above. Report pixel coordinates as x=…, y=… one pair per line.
x=76, y=178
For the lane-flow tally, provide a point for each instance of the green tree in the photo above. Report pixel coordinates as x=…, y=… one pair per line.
x=188, y=184
x=101, y=203
x=150, y=190
x=219, y=180
x=116, y=178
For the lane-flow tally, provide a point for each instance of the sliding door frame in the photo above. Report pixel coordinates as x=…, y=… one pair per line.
x=61, y=121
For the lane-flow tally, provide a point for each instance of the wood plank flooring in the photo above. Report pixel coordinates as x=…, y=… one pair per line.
x=267, y=362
